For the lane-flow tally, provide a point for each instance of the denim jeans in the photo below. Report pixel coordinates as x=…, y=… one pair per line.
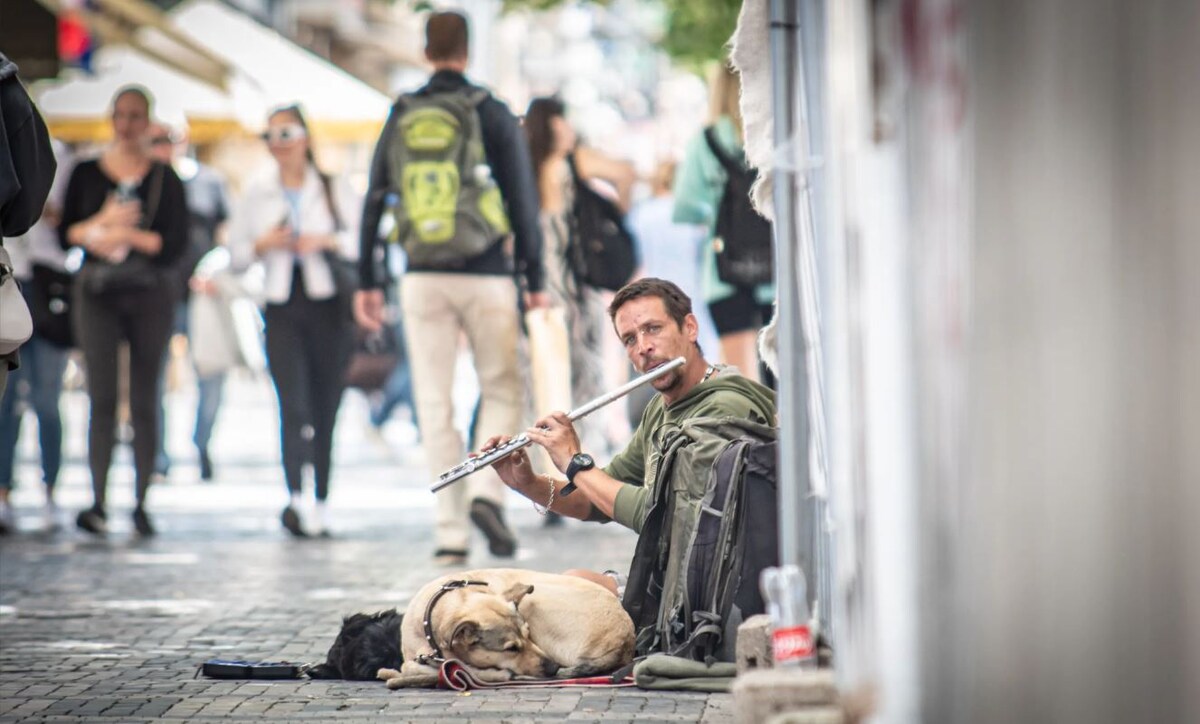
x=396, y=391
x=208, y=403
x=211, y=389
x=37, y=383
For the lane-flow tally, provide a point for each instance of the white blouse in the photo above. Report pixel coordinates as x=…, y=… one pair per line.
x=263, y=206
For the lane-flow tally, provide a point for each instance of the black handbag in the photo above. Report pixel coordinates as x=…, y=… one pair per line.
x=601, y=251
x=50, y=305
x=375, y=356
x=136, y=271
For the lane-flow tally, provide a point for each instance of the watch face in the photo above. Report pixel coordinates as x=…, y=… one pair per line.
x=583, y=460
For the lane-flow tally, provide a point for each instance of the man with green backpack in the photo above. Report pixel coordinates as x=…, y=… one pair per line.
x=452, y=168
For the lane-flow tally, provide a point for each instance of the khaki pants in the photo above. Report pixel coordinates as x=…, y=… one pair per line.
x=437, y=307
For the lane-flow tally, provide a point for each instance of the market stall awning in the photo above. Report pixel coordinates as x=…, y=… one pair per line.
x=272, y=71
x=76, y=108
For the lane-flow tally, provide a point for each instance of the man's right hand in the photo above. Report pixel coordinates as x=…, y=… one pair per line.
x=537, y=300
x=515, y=469
x=368, y=309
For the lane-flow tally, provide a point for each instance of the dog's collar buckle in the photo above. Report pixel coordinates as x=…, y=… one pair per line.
x=447, y=587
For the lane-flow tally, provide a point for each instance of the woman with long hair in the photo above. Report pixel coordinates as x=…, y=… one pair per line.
x=302, y=225
x=737, y=312
x=554, y=147
x=129, y=214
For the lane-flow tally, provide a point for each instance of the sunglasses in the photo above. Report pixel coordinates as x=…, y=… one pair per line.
x=161, y=141
x=284, y=134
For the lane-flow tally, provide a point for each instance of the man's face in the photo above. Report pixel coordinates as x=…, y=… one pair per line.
x=651, y=338
x=158, y=140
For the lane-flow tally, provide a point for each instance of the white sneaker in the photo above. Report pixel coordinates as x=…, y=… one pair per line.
x=321, y=511
x=51, y=518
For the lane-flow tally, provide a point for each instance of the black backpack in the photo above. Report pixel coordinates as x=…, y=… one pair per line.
x=601, y=252
x=745, y=252
x=694, y=577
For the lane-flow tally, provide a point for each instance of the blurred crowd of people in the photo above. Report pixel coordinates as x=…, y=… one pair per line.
x=143, y=243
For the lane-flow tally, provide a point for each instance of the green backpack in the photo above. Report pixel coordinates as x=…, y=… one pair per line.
x=709, y=531
x=449, y=208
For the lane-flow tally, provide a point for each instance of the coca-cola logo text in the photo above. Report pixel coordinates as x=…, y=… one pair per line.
x=791, y=643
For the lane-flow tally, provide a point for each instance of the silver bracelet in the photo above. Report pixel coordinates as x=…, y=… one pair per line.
x=540, y=510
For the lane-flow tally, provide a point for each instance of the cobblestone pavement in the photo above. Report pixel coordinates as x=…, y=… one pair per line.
x=113, y=630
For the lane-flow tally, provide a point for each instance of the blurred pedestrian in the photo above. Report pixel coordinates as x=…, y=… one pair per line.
x=26, y=170
x=208, y=208
x=460, y=276
x=302, y=225
x=669, y=249
x=37, y=383
x=129, y=214
x=554, y=147
x=737, y=312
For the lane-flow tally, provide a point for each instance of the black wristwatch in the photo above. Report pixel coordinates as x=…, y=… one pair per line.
x=579, y=463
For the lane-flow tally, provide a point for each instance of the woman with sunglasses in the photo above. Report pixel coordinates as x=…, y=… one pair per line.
x=301, y=224
x=129, y=214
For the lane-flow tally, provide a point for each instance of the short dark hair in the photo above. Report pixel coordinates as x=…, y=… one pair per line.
x=678, y=304
x=446, y=36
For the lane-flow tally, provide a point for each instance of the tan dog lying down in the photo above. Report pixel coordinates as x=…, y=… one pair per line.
x=506, y=623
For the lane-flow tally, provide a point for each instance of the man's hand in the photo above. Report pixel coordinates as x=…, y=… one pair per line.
x=514, y=470
x=537, y=300
x=203, y=285
x=368, y=309
x=556, y=433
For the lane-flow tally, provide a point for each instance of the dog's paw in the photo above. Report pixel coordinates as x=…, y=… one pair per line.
x=386, y=674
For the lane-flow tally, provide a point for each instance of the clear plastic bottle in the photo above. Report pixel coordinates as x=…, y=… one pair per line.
x=786, y=598
x=126, y=193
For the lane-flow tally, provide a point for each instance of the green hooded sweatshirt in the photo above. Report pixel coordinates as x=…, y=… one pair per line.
x=725, y=394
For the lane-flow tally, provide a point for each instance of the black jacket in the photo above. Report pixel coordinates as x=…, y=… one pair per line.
x=26, y=158
x=26, y=165
x=507, y=154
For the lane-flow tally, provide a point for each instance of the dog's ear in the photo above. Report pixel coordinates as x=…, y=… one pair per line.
x=518, y=591
x=466, y=634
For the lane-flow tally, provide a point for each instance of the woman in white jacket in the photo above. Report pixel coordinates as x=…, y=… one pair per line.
x=301, y=225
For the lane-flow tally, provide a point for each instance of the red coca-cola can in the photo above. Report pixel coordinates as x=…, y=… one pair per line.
x=792, y=644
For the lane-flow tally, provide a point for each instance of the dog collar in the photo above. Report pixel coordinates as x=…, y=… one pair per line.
x=447, y=587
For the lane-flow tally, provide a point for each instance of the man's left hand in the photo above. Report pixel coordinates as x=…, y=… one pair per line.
x=556, y=433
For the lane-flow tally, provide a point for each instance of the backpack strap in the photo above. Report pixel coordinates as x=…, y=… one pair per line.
x=730, y=164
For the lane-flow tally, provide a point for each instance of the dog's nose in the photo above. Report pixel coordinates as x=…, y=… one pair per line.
x=549, y=668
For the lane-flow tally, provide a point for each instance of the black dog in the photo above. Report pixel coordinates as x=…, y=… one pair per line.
x=366, y=644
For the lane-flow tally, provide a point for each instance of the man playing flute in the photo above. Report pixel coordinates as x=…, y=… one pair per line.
x=654, y=321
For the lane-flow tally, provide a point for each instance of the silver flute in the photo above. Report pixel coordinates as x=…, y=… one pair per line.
x=487, y=457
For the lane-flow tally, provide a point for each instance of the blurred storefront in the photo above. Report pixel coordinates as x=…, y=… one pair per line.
x=265, y=70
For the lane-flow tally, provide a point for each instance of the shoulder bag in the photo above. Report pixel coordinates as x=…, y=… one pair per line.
x=50, y=304
x=16, y=326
